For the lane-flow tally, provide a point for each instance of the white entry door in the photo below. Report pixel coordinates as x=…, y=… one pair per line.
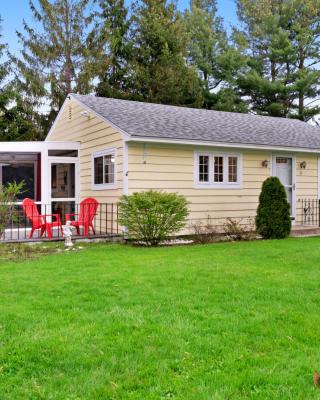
x=283, y=168
x=63, y=190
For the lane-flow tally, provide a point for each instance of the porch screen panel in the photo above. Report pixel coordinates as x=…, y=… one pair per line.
x=21, y=172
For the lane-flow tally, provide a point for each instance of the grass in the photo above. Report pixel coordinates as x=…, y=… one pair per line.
x=20, y=252
x=222, y=321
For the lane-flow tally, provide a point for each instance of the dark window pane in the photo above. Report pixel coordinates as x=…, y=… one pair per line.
x=62, y=180
x=98, y=170
x=62, y=208
x=63, y=153
x=233, y=169
x=20, y=172
x=203, y=168
x=218, y=169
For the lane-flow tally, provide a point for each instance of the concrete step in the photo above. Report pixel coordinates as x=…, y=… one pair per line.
x=298, y=231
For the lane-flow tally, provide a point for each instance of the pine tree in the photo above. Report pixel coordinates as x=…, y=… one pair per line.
x=114, y=31
x=214, y=58
x=57, y=58
x=16, y=121
x=206, y=38
x=159, y=68
x=284, y=50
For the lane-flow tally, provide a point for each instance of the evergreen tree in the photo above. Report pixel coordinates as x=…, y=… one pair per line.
x=159, y=67
x=57, y=58
x=114, y=31
x=284, y=51
x=16, y=121
x=214, y=58
x=273, y=219
x=206, y=39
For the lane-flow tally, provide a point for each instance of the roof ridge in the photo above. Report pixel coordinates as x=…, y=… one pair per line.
x=204, y=110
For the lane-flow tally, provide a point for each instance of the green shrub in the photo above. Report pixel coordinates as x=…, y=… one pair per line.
x=273, y=219
x=152, y=216
x=8, y=195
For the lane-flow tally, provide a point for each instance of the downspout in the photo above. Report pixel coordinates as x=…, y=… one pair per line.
x=125, y=177
x=125, y=168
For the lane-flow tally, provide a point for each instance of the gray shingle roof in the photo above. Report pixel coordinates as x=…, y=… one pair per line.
x=150, y=120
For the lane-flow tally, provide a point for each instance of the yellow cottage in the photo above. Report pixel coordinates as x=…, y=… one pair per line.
x=104, y=148
x=218, y=160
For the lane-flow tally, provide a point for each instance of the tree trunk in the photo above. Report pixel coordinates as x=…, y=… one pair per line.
x=301, y=91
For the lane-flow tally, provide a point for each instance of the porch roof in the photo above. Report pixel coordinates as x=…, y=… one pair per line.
x=34, y=147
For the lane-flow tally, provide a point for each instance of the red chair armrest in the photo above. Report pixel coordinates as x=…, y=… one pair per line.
x=68, y=216
x=56, y=216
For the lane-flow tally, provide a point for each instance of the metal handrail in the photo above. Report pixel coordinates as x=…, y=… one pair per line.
x=105, y=222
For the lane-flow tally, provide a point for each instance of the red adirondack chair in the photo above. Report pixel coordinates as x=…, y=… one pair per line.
x=39, y=221
x=87, y=211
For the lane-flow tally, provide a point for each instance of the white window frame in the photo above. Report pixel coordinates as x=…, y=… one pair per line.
x=217, y=185
x=102, y=153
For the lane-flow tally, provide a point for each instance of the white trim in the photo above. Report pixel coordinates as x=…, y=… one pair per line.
x=217, y=185
x=294, y=168
x=224, y=145
x=100, y=153
x=45, y=180
x=318, y=178
x=125, y=168
x=36, y=147
x=63, y=160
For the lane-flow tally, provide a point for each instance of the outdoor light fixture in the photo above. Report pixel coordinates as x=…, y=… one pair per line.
x=265, y=163
x=85, y=114
x=303, y=165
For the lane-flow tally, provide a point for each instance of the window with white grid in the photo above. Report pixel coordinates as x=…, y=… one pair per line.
x=218, y=170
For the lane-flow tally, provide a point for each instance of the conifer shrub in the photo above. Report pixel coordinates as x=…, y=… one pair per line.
x=152, y=216
x=273, y=219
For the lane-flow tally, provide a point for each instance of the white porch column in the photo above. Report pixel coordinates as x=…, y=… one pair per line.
x=44, y=180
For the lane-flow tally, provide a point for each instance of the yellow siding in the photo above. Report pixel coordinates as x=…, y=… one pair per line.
x=171, y=168
x=94, y=134
x=306, y=183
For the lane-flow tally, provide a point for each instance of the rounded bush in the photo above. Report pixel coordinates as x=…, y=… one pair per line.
x=152, y=216
x=273, y=219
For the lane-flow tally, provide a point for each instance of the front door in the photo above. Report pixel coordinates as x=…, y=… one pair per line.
x=63, y=191
x=283, y=167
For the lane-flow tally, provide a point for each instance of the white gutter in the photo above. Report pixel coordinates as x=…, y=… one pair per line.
x=9, y=147
x=223, y=144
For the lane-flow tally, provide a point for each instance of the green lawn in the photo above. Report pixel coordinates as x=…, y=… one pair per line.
x=222, y=321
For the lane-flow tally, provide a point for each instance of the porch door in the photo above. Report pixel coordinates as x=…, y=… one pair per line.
x=63, y=185
x=284, y=170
